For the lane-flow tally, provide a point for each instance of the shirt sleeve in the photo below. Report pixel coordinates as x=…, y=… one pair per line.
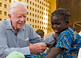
x=35, y=38
x=49, y=40
x=64, y=41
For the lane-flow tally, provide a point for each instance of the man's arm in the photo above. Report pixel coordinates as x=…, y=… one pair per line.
x=54, y=52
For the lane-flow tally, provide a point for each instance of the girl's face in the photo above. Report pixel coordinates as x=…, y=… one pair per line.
x=58, y=23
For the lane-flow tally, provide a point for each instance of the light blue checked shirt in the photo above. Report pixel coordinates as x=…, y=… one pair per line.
x=10, y=41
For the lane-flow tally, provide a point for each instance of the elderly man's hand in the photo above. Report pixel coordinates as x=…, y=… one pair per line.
x=38, y=47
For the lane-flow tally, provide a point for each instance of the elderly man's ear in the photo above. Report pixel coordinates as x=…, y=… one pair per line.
x=9, y=15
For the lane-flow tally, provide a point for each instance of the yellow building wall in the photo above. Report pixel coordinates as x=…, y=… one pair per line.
x=37, y=15
x=53, y=5
x=4, y=7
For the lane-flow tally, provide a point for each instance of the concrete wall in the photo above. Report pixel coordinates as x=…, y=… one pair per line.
x=75, y=10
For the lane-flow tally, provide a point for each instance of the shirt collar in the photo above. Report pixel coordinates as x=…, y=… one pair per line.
x=9, y=26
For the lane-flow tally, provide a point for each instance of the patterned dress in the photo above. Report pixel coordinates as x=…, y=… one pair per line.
x=38, y=55
x=71, y=42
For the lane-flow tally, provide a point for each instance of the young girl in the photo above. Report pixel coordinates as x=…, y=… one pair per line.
x=68, y=41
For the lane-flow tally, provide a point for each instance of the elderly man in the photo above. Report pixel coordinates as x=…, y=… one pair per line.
x=15, y=33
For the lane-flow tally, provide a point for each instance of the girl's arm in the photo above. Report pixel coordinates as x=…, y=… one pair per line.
x=54, y=52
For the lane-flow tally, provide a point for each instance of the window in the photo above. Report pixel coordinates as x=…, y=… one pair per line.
x=27, y=13
x=40, y=27
x=10, y=1
x=30, y=14
x=4, y=19
x=40, y=7
x=33, y=26
x=38, y=16
x=5, y=13
x=33, y=15
x=0, y=12
x=44, y=27
x=44, y=4
x=40, y=2
x=27, y=1
x=33, y=20
x=33, y=9
x=38, y=21
x=5, y=0
x=30, y=19
x=30, y=8
x=44, y=8
x=46, y=23
x=38, y=11
x=33, y=4
x=42, y=17
x=27, y=19
x=0, y=4
x=27, y=7
x=30, y=2
x=42, y=12
x=46, y=14
x=42, y=22
x=20, y=0
x=5, y=6
x=35, y=0
x=0, y=19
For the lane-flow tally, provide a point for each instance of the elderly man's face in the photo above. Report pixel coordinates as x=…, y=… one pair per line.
x=18, y=18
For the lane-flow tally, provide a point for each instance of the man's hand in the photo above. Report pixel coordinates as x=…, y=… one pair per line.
x=38, y=47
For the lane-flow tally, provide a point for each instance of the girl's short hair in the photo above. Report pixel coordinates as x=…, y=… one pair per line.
x=63, y=12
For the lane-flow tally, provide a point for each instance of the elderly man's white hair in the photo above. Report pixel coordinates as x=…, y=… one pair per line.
x=16, y=4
